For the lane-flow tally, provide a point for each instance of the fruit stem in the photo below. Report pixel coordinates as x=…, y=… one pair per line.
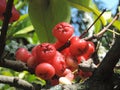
x=86, y=31
x=4, y=28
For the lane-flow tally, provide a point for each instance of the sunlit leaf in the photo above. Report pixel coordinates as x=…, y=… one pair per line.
x=85, y=5
x=45, y=14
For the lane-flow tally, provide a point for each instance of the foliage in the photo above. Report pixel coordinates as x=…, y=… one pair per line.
x=36, y=27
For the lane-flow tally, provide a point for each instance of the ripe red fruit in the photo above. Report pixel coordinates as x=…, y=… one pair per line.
x=54, y=81
x=70, y=76
x=32, y=62
x=59, y=64
x=71, y=62
x=74, y=39
x=45, y=51
x=84, y=75
x=78, y=47
x=15, y=15
x=2, y=8
x=22, y=54
x=67, y=71
x=33, y=51
x=45, y=71
x=63, y=31
x=58, y=44
x=90, y=50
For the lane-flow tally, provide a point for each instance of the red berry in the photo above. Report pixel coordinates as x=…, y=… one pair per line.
x=2, y=8
x=33, y=51
x=15, y=15
x=84, y=75
x=85, y=56
x=71, y=62
x=81, y=58
x=58, y=44
x=78, y=47
x=66, y=52
x=67, y=71
x=45, y=51
x=63, y=31
x=91, y=48
x=70, y=76
x=54, y=81
x=22, y=54
x=45, y=71
x=59, y=64
x=32, y=62
x=74, y=39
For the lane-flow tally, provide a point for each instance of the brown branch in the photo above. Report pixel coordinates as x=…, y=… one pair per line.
x=7, y=16
x=106, y=67
x=15, y=65
x=17, y=82
x=100, y=34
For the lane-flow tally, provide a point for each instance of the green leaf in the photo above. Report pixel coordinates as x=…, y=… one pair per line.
x=19, y=25
x=45, y=14
x=25, y=30
x=85, y=5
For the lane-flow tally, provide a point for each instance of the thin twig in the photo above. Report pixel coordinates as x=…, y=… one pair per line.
x=86, y=31
x=100, y=34
x=7, y=16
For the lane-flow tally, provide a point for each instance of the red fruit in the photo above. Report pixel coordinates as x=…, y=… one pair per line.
x=33, y=51
x=58, y=44
x=71, y=62
x=66, y=52
x=91, y=48
x=2, y=8
x=70, y=76
x=81, y=58
x=63, y=31
x=32, y=62
x=85, y=56
x=74, y=39
x=54, y=81
x=67, y=71
x=84, y=75
x=22, y=54
x=15, y=15
x=45, y=51
x=45, y=71
x=78, y=47
x=59, y=64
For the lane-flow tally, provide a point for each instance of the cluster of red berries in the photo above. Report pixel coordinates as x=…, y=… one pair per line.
x=15, y=14
x=48, y=61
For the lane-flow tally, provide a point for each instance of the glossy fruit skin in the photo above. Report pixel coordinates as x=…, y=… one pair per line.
x=84, y=75
x=32, y=62
x=2, y=8
x=59, y=64
x=78, y=47
x=45, y=51
x=71, y=62
x=45, y=71
x=22, y=54
x=15, y=14
x=63, y=31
